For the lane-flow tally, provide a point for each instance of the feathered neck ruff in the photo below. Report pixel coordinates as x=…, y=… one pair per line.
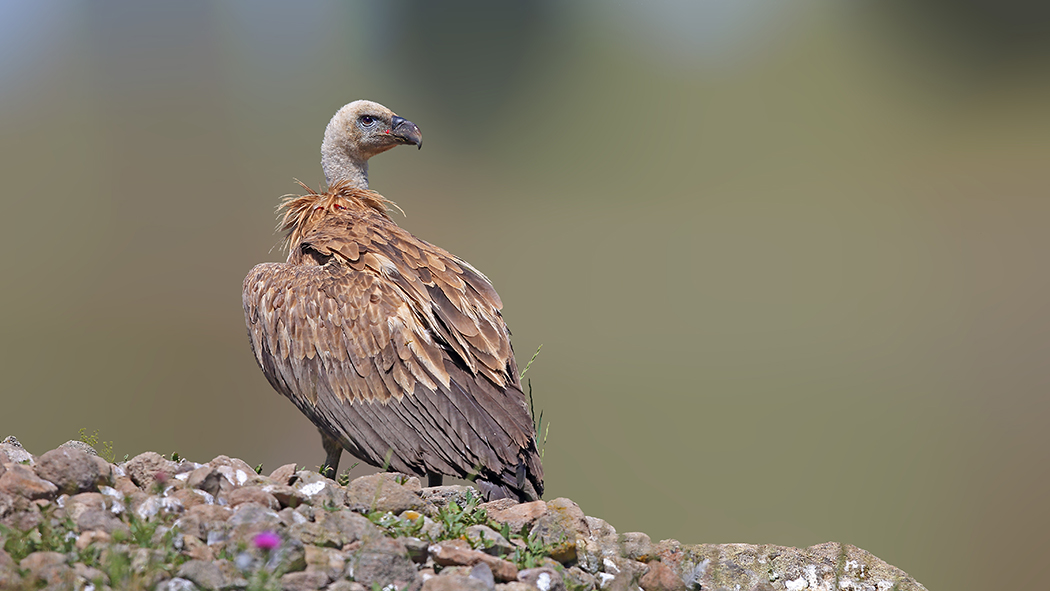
x=300, y=213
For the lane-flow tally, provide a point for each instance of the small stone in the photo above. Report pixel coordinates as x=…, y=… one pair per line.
x=12, y=452
x=249, y=519
x=559, y=528
x=441, y=496
x=417, y=549
x=345, y=585
x=252, y=494
x=483, y=573
x=236, y=471
x=205, y=478
x=193, y=547
x=22, y=481
x=660, y=577
x=326, y=560
x=499, y=504
x=48, y=569
x=577, y=578
x=544, y=578
x=77, y=504
x=486, y=539
x=383, y=561
x=319, y=491
x=92, y=538
x=89, y=574
x=304, y=581
x=459, y=552
x=286, y=495
x=520, y=516
x=385, y=491
x=515, y=586
x=454, y=583
x=204, y=574
x=335, y=529
x=143, y=468
x=100, y=520
x=177, y=584
x=189, y=497
x=79, y=446
x=636, y=546
x=283, y=475
x=125, y=486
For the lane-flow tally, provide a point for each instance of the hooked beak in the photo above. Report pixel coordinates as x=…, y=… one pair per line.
x=405, y=131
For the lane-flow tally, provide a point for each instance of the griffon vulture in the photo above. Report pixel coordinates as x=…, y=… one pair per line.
x=393, y=347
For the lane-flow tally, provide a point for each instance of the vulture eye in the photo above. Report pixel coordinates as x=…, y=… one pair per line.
x=367, y=120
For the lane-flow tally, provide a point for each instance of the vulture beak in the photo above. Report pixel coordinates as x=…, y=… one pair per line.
x=405, y=131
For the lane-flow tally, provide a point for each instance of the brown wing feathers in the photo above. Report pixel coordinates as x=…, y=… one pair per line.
x=390, y=343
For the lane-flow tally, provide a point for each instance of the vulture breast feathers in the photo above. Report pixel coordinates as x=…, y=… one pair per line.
x=391, y=346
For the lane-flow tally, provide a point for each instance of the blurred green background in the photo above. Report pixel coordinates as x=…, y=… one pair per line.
x=787, y=261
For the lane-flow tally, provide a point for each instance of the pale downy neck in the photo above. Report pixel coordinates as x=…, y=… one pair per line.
x=339, y=160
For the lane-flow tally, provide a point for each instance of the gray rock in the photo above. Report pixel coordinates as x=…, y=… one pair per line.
x=746, y=566
x=486, y=539
x=636, y=546
x=177, y=584
x=71, y=470
x=22, y=481
x=304, y=581
x=454, y=583
x=87, y=574
x=345, y=585
x=544, y=578
x=143, y=469
x=483, y=573
x=441, y=496
x=100, y=520
x=47, y=569
x=206, y=575
x=383, y=561
x=385, y=491
x=329, y=561
x=205, y=478
x=319, y=491
x=334, y=529
x=417, y=549
x=579, y=579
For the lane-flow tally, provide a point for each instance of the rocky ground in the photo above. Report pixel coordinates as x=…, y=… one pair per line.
x=71, y=520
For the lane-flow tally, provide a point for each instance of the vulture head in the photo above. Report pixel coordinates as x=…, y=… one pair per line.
x=357, y=132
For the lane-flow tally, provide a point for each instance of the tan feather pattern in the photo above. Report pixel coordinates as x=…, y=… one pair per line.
x=390, y=344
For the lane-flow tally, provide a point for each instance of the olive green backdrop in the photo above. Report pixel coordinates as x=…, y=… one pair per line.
x=787, y=261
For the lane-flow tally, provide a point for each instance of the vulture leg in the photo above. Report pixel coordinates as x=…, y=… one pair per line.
x=332, y=450
x=433, y=479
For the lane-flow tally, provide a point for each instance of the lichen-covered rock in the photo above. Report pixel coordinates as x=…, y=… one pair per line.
x=252, y=494
x=385, y=492
x=560, y=527
x=12, y=452
x=205, y=575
